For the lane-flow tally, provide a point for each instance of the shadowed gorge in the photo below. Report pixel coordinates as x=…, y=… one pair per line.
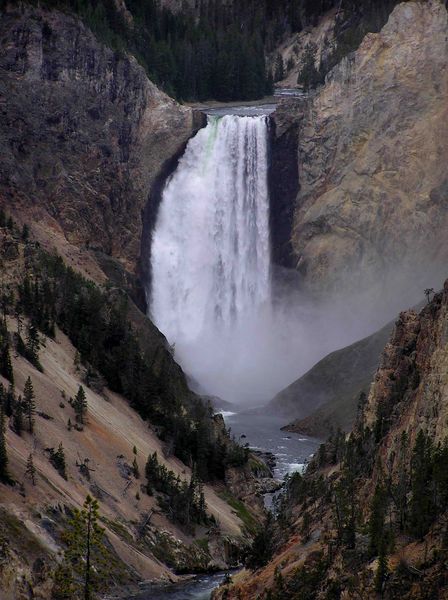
x=214, y=217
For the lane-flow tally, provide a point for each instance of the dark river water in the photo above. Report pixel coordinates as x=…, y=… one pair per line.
x=261, y=432
x=200, y=588
x=292, y=451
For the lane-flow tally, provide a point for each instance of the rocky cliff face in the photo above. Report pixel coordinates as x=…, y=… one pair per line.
x=83, y=132
x=325, y=538
x=373, y=187
x=283, y=181
x=410, y=389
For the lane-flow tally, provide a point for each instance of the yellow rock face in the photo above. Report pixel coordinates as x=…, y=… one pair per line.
x=372, y=157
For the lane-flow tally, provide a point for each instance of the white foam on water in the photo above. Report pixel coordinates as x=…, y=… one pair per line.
x=211, y=258
x=296, y=467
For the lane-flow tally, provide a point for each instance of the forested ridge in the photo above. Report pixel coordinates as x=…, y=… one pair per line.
x=368, y=517
x=110, y=350
x=218, y=50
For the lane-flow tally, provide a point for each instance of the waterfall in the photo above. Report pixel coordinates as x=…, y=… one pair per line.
x=210, y=255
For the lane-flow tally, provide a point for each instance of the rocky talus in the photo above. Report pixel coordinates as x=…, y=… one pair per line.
x=83, y=133
x=373, y=185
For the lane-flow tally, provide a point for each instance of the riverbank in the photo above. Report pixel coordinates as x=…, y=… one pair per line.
x=279, y=94
x=204, y=106
x=283, y=454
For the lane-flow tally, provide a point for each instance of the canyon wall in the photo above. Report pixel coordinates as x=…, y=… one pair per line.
x=371, y=146
x=408, y=399
x=83, y=132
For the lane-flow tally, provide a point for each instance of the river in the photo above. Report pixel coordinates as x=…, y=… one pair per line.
x=199, y=588
x=261, y=432
x=211, y=289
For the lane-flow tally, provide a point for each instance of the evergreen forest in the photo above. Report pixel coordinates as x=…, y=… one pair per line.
x=219, y=50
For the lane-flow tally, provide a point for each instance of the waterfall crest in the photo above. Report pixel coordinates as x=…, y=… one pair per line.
x=210, y=249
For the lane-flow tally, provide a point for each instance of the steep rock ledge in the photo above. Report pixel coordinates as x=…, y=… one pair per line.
x=283, y=179
x=84, y=133
x=371, y=147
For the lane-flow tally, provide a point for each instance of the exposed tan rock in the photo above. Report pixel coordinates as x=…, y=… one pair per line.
x=372, y=148
x=410, y=388
x=32, y=518
x=412, y=378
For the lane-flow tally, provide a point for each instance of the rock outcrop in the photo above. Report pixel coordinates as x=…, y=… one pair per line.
x=83, y=132
x=378, y=468
x=327, y=396
x=371, y=146
x=283, y=181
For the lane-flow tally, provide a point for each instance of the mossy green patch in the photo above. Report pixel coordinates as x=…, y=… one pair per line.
x=241, y=510
x=203, y=544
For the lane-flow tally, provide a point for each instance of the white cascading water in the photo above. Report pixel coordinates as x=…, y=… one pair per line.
x=211, y=280
x=211, y=287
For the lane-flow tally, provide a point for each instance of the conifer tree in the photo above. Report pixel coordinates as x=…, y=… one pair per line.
x=202, y=504
x=57, y=459
x=151, y=473
x=309, y=76
x=421, y=504
x=279, y=71
x=20, y=345
x=25, y=232
x=4, y=475
x=305, y=529
x=63, y=582
x=18, y=316
x=262, y=546
x=33, y=346
x=5, y=363
x=17, y=417
x=29, y=404
x=135, y=469
x=30, y=471
x=382, y=570
x=80, y=405
x=8, y=400
x=376, y=522
x=86, y=555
